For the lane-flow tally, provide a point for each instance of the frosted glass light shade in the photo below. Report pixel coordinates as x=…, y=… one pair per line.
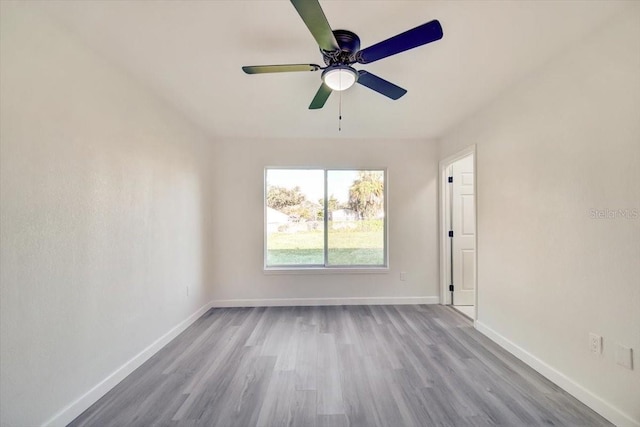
x=339, y=78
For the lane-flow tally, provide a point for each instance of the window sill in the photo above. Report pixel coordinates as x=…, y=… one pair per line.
x=326, y=270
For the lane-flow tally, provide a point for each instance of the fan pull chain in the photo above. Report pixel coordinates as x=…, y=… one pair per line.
x=340, y=104
x=340, y=113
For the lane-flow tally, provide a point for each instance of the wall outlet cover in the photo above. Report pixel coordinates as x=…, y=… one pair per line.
x=595, y=343
x=624, y=356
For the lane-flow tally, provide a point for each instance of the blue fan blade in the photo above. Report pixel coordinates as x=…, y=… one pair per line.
x=382, y=86
x=321, y=97
x=425, y=33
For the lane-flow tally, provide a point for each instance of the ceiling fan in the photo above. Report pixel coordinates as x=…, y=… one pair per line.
x=341, y=48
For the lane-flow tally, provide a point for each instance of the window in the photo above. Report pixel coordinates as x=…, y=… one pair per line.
x=316, y=218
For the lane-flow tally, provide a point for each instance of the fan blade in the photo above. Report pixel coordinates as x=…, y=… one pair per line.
x=321, y=97
x=260, y=69
x=423, y=34
x=382, y=86
x=313, y=17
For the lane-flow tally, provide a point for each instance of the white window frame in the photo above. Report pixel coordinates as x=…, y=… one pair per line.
x=326, y=268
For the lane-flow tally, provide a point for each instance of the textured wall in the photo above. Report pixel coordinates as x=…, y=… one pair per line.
x=104, y=214
x=412, y=218
x=558, y=145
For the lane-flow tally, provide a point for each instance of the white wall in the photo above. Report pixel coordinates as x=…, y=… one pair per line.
x=412, y=219
x=561, y=143
x=104, y=216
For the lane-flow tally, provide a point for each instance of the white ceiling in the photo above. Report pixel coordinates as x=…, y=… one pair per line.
x=190, y=52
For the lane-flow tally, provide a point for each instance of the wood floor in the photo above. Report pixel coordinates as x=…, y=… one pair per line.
x=420, y=365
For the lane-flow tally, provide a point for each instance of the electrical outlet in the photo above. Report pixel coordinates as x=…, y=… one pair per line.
x=624, y=356
x=403, y=276
x=595, y=343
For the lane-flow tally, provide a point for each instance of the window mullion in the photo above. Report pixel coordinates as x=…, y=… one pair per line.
x=326, y=220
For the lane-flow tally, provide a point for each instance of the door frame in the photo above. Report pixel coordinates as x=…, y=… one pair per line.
x=445, y=295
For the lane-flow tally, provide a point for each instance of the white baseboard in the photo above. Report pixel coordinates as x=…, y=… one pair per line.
x=596, y=403
x=289, y=302
x=68, y=414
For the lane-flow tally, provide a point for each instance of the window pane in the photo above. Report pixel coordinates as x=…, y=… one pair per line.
x=294, y=214
x=356, y=217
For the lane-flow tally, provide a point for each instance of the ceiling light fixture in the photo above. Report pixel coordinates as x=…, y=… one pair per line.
x=339, y=77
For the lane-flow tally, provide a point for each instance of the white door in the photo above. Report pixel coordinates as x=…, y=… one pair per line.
x=463, y=223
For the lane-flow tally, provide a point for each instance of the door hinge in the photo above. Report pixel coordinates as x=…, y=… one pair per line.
x=450, y=179
x=451, y=233
x=450, y=288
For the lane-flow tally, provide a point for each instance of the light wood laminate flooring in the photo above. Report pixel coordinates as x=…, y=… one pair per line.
x=409, y=365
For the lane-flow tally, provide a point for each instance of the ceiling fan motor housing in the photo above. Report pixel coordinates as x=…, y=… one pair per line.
x=349, y=43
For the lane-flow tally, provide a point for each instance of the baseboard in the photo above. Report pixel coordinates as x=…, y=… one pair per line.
x=76, y=408
x=596, y=403
x=289, y=302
